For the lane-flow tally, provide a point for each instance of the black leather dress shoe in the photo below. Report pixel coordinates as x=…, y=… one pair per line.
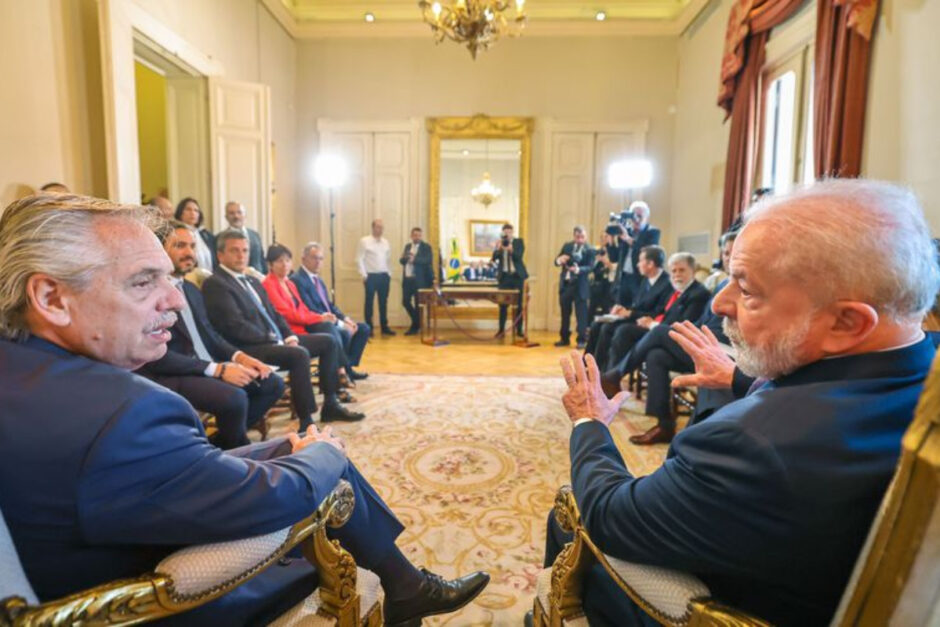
x=412, y=331
x=561, y=343
x=355, y=375
x=387, y=331
x=435, y=595
x=338, y=413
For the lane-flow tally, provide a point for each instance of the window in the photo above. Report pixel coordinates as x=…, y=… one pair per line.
x=785, y=157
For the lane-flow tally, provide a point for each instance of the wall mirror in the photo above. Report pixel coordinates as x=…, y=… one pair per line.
x=479, y=169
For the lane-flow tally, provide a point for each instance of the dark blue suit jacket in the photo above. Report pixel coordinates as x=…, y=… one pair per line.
x=103, y=473
x=308, y=294
x=650, y=300
x=769, y=501
x=236, y=316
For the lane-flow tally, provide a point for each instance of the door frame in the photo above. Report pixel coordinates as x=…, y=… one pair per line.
x=122, y=22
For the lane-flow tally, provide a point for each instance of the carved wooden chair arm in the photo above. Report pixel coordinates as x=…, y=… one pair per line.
x=671, y=597
x=195, y=575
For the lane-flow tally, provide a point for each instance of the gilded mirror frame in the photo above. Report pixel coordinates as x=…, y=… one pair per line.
x=478, y=127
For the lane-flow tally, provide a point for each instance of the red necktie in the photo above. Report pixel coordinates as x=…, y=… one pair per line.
x=669, y=303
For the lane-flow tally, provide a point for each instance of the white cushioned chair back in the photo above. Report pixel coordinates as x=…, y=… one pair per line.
x=13, y=580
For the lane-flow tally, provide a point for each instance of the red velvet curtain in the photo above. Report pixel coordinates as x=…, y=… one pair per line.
x=843, y=51
x=739, y=95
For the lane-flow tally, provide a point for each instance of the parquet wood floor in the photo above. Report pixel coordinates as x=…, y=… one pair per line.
x=464, y=356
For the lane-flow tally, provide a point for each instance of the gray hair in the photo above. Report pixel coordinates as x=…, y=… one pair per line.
x=57, y=235
x=682, y=257
x=311, y=246
x=580, y=229
x=225, y=236
x=854, y=239
x=642, y=206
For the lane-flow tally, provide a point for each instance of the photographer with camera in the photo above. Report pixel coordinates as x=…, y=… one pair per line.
x=510, y=273
x=633, y=232
x=576, y=260
x=603, y=276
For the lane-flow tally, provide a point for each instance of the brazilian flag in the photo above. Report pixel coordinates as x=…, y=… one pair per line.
x=452, y=272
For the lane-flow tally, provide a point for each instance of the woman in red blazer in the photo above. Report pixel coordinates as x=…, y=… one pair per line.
x=286, y=300
x=283, y=293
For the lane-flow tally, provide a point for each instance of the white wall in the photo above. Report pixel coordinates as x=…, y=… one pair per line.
x=902, y=129
x=50, y=122
x=701, y=138
x=614, y=79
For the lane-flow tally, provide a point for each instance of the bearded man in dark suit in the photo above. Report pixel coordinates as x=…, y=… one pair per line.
x=770, y=500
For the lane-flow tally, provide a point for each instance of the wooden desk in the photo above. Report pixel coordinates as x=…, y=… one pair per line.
x=434, y=302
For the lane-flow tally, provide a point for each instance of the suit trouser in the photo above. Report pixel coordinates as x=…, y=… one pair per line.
x=409, y=299
x=604, y=603
x=599, y=303
x=569, y=298
x=296, y=360
x=377, y=283
x=600, y=338
x=369, y=535
x=625, y=338
x=627, y=288
x=330, y=328
x=235, y=408
x=511, y=282
x=355, y=345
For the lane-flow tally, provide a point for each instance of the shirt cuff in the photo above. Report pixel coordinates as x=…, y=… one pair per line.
x=653, y=325
x=210, y=369
x=235, y=356
x=290, y=336
x=581, y=421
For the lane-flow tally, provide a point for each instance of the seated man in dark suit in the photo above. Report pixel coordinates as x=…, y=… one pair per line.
x=240, y=309
x=316, y=297
x=103, y=473
x=663, y=355
x=770, y=500
x=687, y=300
x=201, y=366
x=649, y=300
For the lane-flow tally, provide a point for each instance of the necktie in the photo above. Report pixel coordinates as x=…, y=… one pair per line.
x=669, y=303
x=261, y=308
x=198, y=346
x=507, y=262
x=318, y=284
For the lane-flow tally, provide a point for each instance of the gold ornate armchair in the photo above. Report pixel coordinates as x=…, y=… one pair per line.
x=896, y=579
x=191, y=577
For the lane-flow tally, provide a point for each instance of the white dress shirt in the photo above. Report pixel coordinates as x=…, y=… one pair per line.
x=410, y=267
x=203, y=254
x=372, y=256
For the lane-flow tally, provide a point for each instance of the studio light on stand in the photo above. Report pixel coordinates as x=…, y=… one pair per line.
x=630, y=174
x=330, y=172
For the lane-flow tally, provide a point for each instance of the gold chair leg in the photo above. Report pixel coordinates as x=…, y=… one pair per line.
x=337, y=571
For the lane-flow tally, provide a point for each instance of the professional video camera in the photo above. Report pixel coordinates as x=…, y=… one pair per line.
x=617, y=220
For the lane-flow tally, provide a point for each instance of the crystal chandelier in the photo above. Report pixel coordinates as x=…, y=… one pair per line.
x=486, y=193
x=476, y=23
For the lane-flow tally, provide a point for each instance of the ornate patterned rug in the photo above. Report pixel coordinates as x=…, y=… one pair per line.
x=471, y=464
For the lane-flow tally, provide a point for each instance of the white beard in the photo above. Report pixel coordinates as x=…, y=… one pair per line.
x=772, y=361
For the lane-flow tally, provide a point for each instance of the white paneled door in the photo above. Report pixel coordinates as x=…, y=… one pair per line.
x=381, y=158
x=187, y=143
x=240, y=140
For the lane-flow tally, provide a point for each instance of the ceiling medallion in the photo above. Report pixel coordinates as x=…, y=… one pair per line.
x=476, y=23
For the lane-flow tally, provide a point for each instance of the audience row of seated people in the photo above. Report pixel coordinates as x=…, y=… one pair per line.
x=103, y=473
x=224, y=339
x=478, y=270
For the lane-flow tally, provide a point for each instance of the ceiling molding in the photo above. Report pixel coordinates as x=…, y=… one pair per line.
x=654, y=25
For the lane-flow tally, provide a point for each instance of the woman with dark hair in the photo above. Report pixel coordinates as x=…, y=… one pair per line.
x=286, y=300
x=189, y=213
